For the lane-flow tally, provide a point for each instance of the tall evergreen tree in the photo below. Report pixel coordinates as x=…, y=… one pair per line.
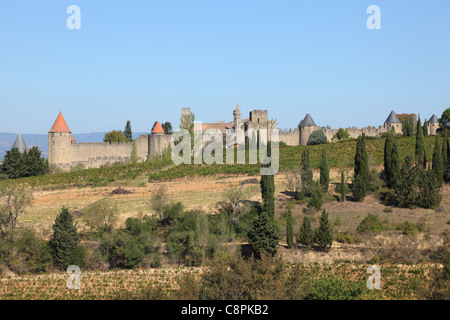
x=425, y=128
x=290, y=229
x=406, y=187
x=437, y=165
x=262, y=235
x=343, y=185
x=420, y=156
x=445, y=149
x=429, y=196
x=324, y=235
x=127, y=131
x=395, y=165
x=316, y=199
x=267, y=185
x=167, y=127
x=306, y=235
x=35, y=164
x=388, y=146
x=306, y=173
x=14, y=164
x=361, y=178
x=324, y=171
x=65, y=239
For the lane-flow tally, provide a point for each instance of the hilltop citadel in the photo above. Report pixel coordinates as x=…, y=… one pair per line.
x=64, y=152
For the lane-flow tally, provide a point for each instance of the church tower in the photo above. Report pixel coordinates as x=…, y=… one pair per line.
x=59, y=143
x=237, y=117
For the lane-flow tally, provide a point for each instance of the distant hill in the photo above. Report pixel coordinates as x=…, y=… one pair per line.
x=41, y=140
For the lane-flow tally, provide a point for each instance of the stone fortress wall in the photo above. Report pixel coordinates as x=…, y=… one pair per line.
x=65, y=152
x=93, y=155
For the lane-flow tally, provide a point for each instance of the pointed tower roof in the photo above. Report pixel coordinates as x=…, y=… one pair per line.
x=158, y=128
x=237, y=107
x=392, y=118
x=307, y=121
x=433, y=119
x=20, y=144
x=60, y=125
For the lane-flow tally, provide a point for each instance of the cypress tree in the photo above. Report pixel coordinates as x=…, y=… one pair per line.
x=437, y=165
x=361, y=173
x=65, y=239
x=306, y=235
x=290, y=229
x=316, y=199
x=388, y=147
x=425, y=128
x=342, y=186
x=262, y=236
x=267, y=185
x=411, y=126
x=429, y=196
x=406, y=186
x=395, y=165
x=420, y=156
x=324, y=171
x=324, y=235
x=306, y=173
x=127, y=131
x=445, y=151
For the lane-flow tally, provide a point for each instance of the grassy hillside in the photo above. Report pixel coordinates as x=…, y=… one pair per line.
x=340, y=155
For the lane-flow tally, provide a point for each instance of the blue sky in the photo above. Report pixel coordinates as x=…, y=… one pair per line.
x=144, y=60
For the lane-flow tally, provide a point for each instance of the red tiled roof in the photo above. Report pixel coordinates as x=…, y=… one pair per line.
x=219, y=125
x=60, y=125
x=158, y=128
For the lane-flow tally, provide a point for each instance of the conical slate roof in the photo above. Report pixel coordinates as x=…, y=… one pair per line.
x=307, y=121
x=433, y=119
x=392, y=118
x=20, y=144
x=158, y=128
x=60, y=125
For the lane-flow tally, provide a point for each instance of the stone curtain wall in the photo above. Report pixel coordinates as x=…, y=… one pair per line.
x=94, y=155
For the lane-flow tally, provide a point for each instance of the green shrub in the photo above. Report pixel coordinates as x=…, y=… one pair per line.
x=347, y=237
x=317, y=137
x=316, y=199
x=333, y=288
x=370, y=223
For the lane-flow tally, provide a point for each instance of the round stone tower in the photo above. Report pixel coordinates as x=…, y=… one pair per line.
x=59, y=143
x=158, y=140
x=433, y=125
x=393, y=121
x=305, y=128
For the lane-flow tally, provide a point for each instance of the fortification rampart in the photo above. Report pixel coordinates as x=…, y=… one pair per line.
x=105, y=153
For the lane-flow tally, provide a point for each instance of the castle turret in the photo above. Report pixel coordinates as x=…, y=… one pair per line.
x=306, y=127
x=158, y=140
x=20, y=144
x=59, y=143
x=433, y=125
x=393, y=121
